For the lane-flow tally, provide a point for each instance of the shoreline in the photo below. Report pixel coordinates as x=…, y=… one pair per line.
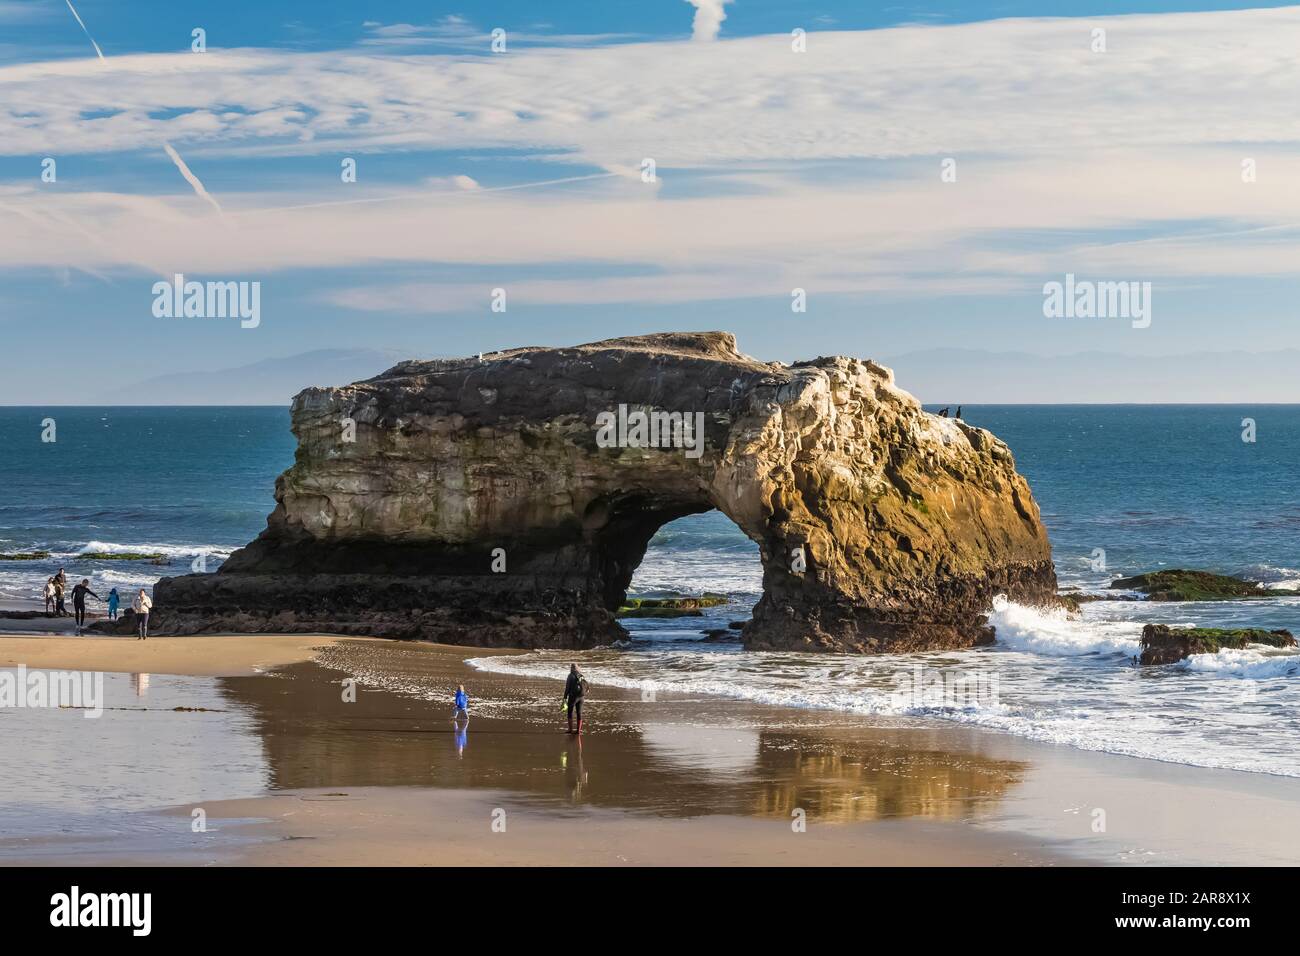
x=733, y=770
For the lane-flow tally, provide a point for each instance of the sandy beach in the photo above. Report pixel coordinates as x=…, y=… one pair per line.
x=384, y=779
x=199, y=657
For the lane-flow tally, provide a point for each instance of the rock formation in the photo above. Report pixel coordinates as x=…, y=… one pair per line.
x=1162, y=644
x=1181, y=585
x=479, y=501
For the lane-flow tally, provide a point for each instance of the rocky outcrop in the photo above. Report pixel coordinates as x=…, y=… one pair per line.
x=1180, y=585
x=507, y=501
x=1162, y=644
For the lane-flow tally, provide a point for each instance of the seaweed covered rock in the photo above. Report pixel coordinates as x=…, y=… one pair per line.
x=1181, y=585
x=506, y=501
x=1162, y=644
x=670, y=607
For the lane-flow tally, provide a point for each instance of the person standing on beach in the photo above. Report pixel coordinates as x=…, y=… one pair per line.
x=49, y=596
x=575, y=689
x=79, y=601
x=461, y=706
x=142, y=605
x=113, y=601
x=60, y=583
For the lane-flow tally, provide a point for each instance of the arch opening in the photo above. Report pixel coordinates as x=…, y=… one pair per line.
x=700, y=554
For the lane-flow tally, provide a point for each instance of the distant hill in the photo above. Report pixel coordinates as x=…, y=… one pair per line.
x=943, y=376
x=954, y=376
x=271, y=381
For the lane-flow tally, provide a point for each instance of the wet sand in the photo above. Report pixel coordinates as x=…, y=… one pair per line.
x=196, y=656
x=429, y=827
x=384, y=779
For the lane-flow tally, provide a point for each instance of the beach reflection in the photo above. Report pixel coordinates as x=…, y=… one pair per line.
x=671, y=757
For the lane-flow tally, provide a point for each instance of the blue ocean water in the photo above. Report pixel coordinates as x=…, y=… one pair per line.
x=182, y=482
x=1150, y=486
x=1162, y=486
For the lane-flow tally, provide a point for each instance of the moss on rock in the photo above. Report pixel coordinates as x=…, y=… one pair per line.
x=1183, y=585
x=1162, y=644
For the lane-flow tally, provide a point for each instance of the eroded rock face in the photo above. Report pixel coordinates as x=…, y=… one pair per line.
x=907, y=524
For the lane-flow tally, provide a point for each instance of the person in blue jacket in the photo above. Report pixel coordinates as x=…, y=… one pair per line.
x=113, y=601
x=462, y=704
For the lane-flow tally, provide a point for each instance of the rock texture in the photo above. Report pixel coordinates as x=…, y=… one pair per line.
x=907, y=524
x=1162, y=644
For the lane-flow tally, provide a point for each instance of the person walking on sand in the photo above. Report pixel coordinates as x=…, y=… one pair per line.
x=575, y=689
x=49, y=596
x=142, y=605
x=79, y=601
x=461, y=706
x=113, y=601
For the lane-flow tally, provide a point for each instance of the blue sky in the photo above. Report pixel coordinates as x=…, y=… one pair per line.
x=775, y=169
x=161, y=26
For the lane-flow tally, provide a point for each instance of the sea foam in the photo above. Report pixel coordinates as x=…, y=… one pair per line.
x=1059, y=633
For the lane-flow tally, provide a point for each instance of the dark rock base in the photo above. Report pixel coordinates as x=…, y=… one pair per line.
x=486, y=611
x=951, y=616
x=515, y=611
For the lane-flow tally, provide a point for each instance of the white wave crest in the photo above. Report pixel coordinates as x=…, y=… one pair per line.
x=169, y=550
x=1057, y=633
x=1251, y=663
x=123, y=577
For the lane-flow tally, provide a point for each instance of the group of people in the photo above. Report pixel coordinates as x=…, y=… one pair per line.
x=56, y=587
x=575, y=689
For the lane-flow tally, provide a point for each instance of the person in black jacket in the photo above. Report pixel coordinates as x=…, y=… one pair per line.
x=575, y=688
x=79, y=601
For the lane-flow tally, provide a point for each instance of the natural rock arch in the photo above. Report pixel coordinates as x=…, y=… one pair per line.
x=908, y=523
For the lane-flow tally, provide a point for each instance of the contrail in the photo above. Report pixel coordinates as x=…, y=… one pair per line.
x=84, y=30
x=190, y=178
x=175, y=156
x=409, y=197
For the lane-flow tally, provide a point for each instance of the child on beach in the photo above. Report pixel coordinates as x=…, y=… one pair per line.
x=462, y=704
x=113, y=601
x=142, y=605
x=49, y=596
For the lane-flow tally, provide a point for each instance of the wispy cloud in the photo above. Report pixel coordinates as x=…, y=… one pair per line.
x=1011, y=88
x=1064, y=157
x=458, y=32
x=999, y=228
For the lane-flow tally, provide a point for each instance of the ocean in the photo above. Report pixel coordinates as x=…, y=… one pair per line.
x=1123, y=489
